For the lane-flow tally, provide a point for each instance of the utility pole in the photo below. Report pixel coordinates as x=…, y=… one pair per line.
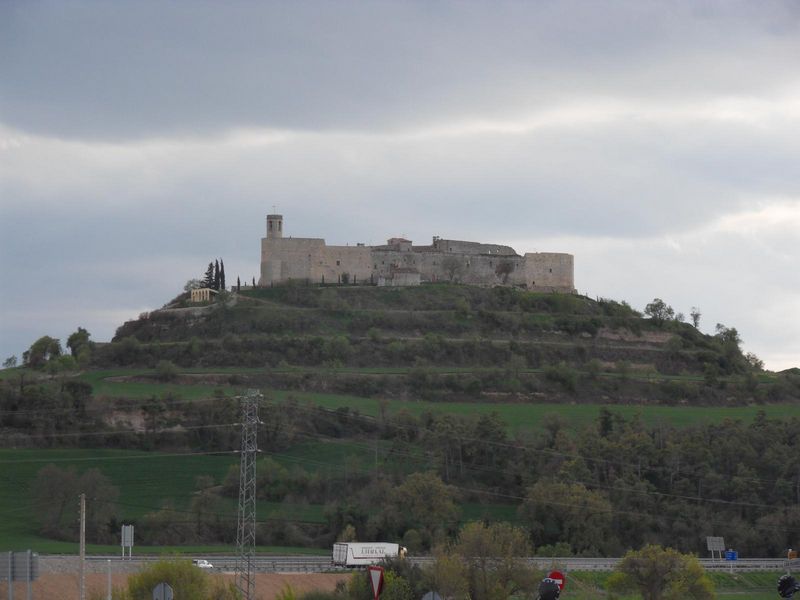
x=82, y=568
x=246, y=532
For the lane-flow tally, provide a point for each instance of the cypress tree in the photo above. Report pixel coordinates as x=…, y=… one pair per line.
x=222, y=275
x=216, y=275
x=238, y=284
x=208, y=280
x=254, y=282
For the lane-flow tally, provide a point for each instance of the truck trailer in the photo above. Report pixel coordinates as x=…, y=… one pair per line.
x=357, y=554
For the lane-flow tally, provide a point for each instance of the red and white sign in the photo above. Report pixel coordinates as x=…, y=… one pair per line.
x=558, y=577
x=376, y=579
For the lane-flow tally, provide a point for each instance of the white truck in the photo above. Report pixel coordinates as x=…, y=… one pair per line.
x=357, y=554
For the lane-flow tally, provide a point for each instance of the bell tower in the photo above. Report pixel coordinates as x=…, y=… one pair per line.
x=274, y=226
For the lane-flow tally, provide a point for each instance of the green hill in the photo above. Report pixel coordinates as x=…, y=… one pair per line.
x=450, y=343
x=403, y=413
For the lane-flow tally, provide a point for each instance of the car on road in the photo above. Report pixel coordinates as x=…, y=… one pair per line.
x=202, y=563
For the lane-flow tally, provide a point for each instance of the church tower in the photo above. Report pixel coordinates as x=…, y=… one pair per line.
x=274, y=226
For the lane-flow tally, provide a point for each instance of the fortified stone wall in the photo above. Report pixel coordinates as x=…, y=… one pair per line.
x=549, y=270
x=444, y=260
x=460, y=247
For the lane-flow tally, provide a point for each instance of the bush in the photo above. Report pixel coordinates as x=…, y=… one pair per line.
x=187, y=581
x=166, y=370
x=563, y=374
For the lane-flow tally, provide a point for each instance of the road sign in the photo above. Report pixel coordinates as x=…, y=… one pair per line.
x=127, y=536
x=715, y=544
x=731, y=555
x=127, y=540
x=559, y=578
x=162, y=591
x=19, y=566
x=376, y=579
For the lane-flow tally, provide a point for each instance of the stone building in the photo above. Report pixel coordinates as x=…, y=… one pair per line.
x=399, y=262
x=202, y=295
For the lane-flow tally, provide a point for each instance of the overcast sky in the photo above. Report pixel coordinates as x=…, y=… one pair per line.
x=658, y=142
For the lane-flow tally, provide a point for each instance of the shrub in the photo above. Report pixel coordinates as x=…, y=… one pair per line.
x=187, y=581
x=563, y=374
x=166, y=370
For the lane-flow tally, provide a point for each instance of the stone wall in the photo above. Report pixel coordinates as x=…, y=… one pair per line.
x=461, y=247
x=444, y=260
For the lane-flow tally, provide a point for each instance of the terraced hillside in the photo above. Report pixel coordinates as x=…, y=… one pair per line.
x=450, y=343
x=403, y=414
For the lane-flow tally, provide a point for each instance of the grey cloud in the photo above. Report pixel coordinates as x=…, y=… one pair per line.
x=138, y=69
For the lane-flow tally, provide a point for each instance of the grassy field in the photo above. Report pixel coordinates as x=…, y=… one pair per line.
x=523, y=416
x=146, y=480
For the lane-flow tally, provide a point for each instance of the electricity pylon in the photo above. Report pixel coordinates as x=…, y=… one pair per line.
x=246, y=532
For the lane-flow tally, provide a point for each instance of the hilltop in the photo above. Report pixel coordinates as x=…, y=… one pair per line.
x=451, y=343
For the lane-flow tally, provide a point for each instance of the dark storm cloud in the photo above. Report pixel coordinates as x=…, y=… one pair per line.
x=122, y=69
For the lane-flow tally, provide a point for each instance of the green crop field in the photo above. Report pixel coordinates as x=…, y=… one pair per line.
x=520, y=416
x=144, y=480
x=147, y=480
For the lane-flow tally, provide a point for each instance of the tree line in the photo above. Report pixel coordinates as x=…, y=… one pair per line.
x=596, y=491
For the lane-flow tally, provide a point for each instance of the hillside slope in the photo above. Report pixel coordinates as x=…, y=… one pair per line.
x=452, y=343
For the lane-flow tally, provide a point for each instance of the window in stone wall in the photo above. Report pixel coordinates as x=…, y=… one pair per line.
x=551, y=270
x=337, y=263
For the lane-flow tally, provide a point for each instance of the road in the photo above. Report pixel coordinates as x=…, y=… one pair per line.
x=319, y=564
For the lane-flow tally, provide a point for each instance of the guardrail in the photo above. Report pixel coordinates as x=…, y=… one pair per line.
x=317, y=564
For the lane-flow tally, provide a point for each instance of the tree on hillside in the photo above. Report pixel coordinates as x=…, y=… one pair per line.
x=558, y=511
x=754, y=361
x=728, y=335
x=216, y=274
x=77, y=340
x=659, y=311
x=426, y=503
x=192, y=284
x=42, y=351
x=208, y=280
x=10, y=362
x=222, y=275
x=238, y=284
x=80, y=346
x=695, y=314
x=657, y=573
x=55, y=491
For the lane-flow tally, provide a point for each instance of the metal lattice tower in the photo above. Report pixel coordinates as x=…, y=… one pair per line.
x=246, y=532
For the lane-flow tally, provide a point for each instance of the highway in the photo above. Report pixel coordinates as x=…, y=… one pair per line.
x=318, y=564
